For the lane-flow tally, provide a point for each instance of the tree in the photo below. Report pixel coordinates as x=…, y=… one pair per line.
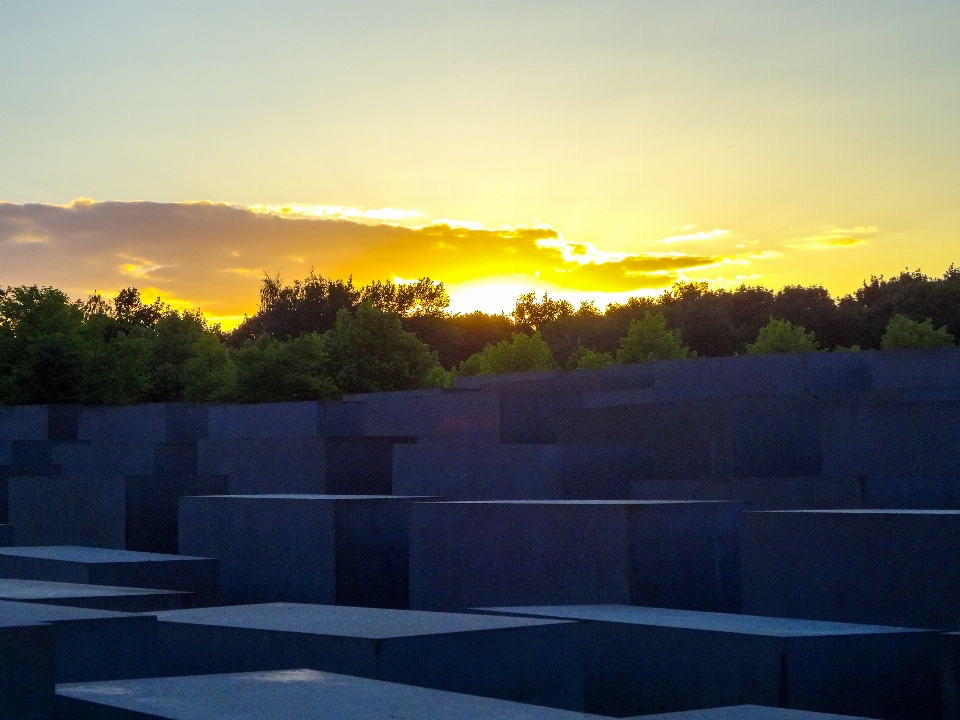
x=528, y=311
x=371, y=352
x=649, y=339
x=523, y=353
x=587, y=359
x=781, y=336
x=421, y=298
x=269, y=370
x=902, y=333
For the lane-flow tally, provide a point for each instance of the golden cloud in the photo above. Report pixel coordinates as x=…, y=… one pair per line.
x=213, y=254
x=836, y=239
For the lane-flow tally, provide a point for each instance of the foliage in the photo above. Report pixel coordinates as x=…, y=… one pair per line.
x=649, y=339
x=528, y=311
x=781, y=336
x=902, y=333
x=371, y=352
x=523, y=353
x=587, y=359
x=269, y=370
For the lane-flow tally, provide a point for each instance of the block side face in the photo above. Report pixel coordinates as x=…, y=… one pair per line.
x=193, y=575
x=893, y=675
x=270, y=550
x=475, y=555
x=893, y=569
x=266, y=465
x=263, y=420
x=359, y=465
x=128, y=423
x=538, y=665
x=110, y=648
x=38, y=568
x=193, y=649
x=86, y=509
x=686, y=556
x=27, y=668
x=372, y=553
x=24, y=422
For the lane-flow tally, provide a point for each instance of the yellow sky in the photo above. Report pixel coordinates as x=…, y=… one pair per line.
x=548, y=145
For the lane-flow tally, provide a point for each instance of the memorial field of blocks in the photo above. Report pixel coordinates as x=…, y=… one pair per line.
x=744, y=538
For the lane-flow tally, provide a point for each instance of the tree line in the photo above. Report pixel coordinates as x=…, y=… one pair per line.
x=320, y=338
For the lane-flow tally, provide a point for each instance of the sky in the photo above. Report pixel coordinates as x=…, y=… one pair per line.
x=593, y=150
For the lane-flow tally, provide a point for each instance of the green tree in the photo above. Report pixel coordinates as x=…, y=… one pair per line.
x=371, y=352
x=903, y=334
x=523, y=353
x=584, y=358
x=650, y=339
x=210, y=375
x=528, y=311
x=269, y=370
x=781, y=336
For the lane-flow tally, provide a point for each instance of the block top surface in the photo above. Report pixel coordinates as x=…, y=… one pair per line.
x=301, y=694
x=746, y=712
x=291, y=496
x=43, y=589
x=857, y=511
x=642, y=503
x=699, y=620
x=32, y=613
x=81, y=554
x=369, y=623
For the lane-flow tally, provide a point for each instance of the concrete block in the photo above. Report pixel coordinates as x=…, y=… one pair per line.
x=361, y=465
x=93, y=597
x=445, y=416
x=748, y=712
x=519, y=659
x=24, y=422
x=119, y=568
x=829, y=374
x=150, y=423
x=284, y=694
x=775, y=493
x=469, y=554
x=68, y=510
x=641, y=660
x=890, y=567
x=740, y=376
x=264, y=420
x=151, y=508
x=927, y=492
x=891, y=439
x=7, y=537
x=26, y=670
x=711, y=437
x=92, y=644
x=896, y=369
x=346, y=550
x=531, y=417
x=516, y=472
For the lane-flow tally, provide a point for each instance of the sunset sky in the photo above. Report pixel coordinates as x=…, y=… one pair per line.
x=594, y=150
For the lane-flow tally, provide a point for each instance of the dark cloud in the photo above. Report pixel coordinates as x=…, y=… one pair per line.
x=213, y=255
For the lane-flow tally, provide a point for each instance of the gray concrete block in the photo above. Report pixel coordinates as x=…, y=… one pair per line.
x=264, y=420
x=92, y=644
x=532, y=417
x=284, y=694
x=24, y=422
x=7, y=536
x=890, y=567
x=150, y=423
x=347, y=550
x=266, y=465
x=516, y=472
x=361, y=465
x=151, y=508
x=446, y=416
x=518, y=659
x=896, y=369
x=925, y=492
x=26, y=670
x=890, y=439
x=748, y=712
x=711, y=437
x=776, y=493
x=93, y=597
x=468, y=554
x=118, y=568
x=68, y=510
x=641, y=660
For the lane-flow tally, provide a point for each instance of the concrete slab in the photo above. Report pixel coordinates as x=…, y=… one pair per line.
x=774, y=493
x=476, y=553
x=516, y=472
x=118, y=568
x=892, y=567
x=328, y=549
x=150, y=514
x=519, y=659
x=748, y=712
x=93, y=597
x=7, y=536
x=85, y=509
x=284, y=694
x=26, y=670
x=92, y=644
x=644, y=660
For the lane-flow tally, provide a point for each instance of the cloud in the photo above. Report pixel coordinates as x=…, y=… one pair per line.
x=835, y=239
x=212, y=255
x=702, y=235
